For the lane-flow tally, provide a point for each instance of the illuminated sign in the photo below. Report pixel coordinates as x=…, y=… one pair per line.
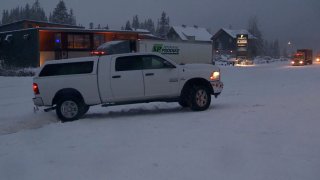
x=242, y=47
x=242, y=40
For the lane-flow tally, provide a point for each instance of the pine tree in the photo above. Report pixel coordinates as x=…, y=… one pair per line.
x=4, y=18
x=128, y=26
x=37, y=13
x=285, y=52
x=276, y=48
x=72, y=18
x=150, y=26
x=135, y=22
x=253, y=28
x=27, y=11
x=20, y=13
x=163, y=25
x=50, y=17
x=60, y=14
x=91, y=25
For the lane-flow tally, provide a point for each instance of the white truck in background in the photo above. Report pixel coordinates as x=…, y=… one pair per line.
x=179, y=51
x=70, y=86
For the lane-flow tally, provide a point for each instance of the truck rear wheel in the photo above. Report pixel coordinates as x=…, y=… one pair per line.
x=70, y=109
x=200, y=98
x=85, y=109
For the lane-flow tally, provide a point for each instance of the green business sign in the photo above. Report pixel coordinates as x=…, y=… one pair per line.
x=163, y=49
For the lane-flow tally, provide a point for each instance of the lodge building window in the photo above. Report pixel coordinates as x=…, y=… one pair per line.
x=78, y=41
x=98, y=39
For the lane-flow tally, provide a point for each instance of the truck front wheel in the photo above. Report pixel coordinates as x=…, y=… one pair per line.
x=183, y=103
x=200, y=98
x=70, y=109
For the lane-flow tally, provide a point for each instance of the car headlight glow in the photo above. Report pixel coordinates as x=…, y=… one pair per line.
x=215, y=75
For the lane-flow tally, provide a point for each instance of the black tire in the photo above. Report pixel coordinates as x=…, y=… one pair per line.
x=183, y=102
x=70, y=109
x=200, y=98
x=85, y=109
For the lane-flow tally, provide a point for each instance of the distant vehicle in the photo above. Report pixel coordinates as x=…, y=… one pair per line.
x=70, y=86
x=180, y=52
x=302, y=57
x=317, y=58
x=244, y=61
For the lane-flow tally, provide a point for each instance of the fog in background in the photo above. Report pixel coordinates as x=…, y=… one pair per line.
x=288, y=20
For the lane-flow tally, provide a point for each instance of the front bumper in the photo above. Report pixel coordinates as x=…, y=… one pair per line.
x=37, y=101
x=217, y=87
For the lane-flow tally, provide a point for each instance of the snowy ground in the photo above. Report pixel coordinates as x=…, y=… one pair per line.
x=264, y=126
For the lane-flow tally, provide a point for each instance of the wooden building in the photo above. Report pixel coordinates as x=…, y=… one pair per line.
x=189, y=33
x=31, y=43
x=225, y=41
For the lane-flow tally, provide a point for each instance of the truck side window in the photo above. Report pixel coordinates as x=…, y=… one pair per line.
x=129, y=63
x=67, y=69
x=155, y=62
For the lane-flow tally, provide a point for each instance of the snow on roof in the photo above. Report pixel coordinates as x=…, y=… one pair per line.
x=43, y=22
x=234, y=32
x=199, y=33
x=108, y=44
x=142, y=30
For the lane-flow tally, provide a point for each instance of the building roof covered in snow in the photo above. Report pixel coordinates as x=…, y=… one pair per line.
x=233, y=33
x=27, y=24
x=189, y=33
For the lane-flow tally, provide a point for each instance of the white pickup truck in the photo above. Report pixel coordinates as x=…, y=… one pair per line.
x=71, y=86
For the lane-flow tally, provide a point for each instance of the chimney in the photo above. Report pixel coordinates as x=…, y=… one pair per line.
x=195, y=26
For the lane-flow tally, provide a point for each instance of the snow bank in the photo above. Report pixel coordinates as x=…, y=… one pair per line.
x=17, y=71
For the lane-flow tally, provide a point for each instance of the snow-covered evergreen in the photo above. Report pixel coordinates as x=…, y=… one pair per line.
x=35, y=12
x=60, y=15
x=163, y=25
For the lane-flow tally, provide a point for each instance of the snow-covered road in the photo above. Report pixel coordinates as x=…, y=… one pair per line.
x=264, y=126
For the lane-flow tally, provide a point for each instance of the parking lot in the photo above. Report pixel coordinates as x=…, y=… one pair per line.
x=264, y=126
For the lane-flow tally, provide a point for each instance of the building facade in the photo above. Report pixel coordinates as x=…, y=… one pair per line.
x=32, y=46
x=225, y=41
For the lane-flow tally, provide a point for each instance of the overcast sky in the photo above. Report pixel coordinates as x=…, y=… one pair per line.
x=297, y=21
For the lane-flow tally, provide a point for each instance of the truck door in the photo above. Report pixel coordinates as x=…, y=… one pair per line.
x=126, y=78
x=160, y=77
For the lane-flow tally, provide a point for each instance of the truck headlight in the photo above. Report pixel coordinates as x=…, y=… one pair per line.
x=318, y=59
x=301, y=62
x=215, y=75
x=292, y=62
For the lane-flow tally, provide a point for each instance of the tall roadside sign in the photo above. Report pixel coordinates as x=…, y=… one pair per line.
x=242, y=54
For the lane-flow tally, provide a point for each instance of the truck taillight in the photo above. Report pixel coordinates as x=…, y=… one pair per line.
x=35, y=88
x=98, y=53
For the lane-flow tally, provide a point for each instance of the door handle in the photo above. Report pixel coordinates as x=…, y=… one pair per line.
x=149, y=74
x=117, y=76
x=173, y=79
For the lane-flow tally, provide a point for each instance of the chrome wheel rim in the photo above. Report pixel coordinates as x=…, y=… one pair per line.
x=69, y=109
x=201, y=97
